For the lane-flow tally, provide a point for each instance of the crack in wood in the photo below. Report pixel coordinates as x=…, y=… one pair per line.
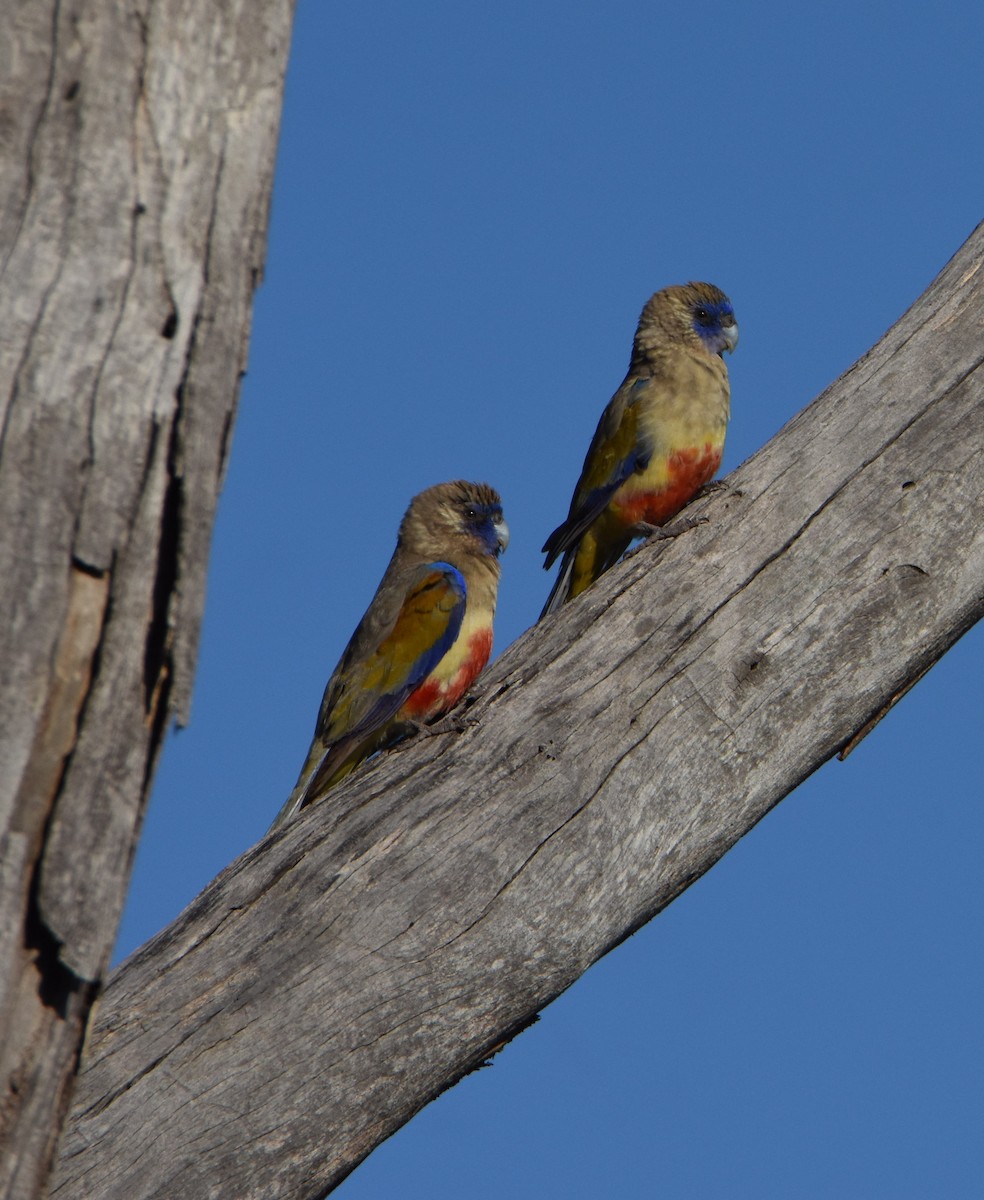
x=31, y=173
x=158, y=660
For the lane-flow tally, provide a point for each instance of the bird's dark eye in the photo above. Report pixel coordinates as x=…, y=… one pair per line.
x=471, y=514
x=702, y=315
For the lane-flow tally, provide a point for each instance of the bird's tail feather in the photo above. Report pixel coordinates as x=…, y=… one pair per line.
x=562, y=585
x=316, y=771
x=293, y=804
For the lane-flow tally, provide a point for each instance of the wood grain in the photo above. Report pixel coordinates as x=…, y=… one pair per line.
x=137, y=147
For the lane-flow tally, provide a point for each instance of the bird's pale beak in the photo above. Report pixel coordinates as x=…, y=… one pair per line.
x=730, y=333
x=501, y=536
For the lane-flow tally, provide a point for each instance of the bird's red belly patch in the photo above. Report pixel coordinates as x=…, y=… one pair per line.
x=689, y=470
x=435, y=697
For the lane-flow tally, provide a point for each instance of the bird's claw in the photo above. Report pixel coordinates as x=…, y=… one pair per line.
x=716, y=485
x=662, y=533
x=452, y=723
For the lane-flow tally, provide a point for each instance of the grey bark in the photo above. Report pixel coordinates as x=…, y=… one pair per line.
x=137, y=145
x=356, y=963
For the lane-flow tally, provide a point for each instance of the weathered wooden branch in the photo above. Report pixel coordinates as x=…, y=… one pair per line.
x=138, y=145
x=347, y=970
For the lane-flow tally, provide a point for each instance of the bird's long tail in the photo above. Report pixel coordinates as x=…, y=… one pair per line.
x=322, y=769
x=560, y=591
x=293, y=804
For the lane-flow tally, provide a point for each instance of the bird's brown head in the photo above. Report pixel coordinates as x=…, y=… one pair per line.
x=693, y=314
x=455, y=519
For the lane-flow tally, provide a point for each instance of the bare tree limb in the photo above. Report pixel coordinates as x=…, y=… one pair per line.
x=347, y=970
x=138, y=147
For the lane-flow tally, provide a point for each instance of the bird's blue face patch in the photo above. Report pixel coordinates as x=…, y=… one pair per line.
x=715, y=324
x=485, y=521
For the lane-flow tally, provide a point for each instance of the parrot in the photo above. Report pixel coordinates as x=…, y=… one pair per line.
x=422, y=642
x=659, y=440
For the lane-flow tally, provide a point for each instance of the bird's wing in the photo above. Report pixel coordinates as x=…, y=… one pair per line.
x=621, y=446
x=412, y=622
x=403, y=636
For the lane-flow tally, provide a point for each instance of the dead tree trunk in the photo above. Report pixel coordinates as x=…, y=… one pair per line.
x=343, y=973
x=138, y=144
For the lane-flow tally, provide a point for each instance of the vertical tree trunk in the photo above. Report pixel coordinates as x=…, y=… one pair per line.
x=138, y=145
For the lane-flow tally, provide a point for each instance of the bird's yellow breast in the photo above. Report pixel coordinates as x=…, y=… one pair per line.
x=686, y=425
x=463, y=663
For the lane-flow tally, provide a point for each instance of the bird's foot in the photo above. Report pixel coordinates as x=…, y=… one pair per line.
x=452, y=723
x=662, y=533
x=716, y=485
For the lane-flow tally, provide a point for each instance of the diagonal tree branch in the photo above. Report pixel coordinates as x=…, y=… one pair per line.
x=347, y=970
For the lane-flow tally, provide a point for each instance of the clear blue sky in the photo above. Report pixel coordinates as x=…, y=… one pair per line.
x=472, y=203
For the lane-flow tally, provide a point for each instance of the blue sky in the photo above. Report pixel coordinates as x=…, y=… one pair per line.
x=472, y=203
